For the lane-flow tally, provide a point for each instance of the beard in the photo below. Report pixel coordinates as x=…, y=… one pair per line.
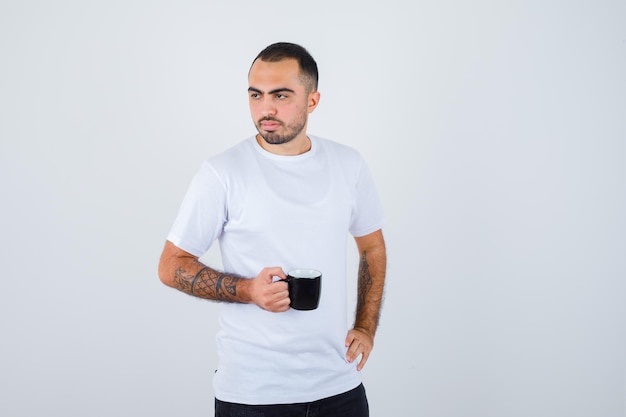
x=289, y=132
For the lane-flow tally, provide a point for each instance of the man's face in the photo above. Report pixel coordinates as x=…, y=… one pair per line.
x=279, y=102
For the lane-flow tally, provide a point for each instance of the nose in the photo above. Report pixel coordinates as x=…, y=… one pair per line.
x=268, y=109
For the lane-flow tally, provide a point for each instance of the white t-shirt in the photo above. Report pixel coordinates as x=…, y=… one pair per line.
x=293, y=212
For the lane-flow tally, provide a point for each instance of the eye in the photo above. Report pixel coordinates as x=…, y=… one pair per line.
x=254, y=95
x=281, y=96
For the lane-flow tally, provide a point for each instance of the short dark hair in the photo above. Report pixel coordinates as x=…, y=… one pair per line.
x=285, y=50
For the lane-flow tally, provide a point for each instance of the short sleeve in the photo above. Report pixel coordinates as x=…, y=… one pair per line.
x=202, y=213
x=367, y=216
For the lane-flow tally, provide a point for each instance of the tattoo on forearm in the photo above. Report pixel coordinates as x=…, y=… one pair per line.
x=182, y=280
x=208, y=283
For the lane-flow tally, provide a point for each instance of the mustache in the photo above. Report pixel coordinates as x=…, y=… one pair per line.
x=270, y=119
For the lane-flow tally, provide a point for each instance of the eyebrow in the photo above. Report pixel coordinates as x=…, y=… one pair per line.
x=275, y=91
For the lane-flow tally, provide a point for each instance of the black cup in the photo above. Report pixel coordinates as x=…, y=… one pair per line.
x=305, y=286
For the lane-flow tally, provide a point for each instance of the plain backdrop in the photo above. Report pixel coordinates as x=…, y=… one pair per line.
x=495, y=131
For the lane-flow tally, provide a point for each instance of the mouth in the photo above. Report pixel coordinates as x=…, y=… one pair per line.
x=270, y=125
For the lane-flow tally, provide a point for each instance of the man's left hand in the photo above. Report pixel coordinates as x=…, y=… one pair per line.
x=359, y=342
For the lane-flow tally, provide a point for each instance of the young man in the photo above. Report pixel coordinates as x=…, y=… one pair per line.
x=281, y=200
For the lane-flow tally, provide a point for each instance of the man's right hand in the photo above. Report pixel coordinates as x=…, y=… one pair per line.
x=268, y=294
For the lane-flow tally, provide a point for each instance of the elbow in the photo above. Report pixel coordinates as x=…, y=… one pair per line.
x=171, y=264
x=165, y=272
x=167, y=275
x=163, y=275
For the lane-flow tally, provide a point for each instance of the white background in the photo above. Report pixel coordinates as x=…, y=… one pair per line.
x=495, y=131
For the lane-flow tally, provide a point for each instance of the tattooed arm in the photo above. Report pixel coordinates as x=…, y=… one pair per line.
x=371, y=282
x=181, y=270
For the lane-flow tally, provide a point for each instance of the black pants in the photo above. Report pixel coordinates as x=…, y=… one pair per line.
x=349, y=404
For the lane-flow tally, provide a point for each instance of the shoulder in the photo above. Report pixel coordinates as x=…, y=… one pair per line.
x=231, y=158
x=339, y=150
x=344, y=158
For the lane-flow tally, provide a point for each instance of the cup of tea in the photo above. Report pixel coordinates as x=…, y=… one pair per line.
x=305, y=286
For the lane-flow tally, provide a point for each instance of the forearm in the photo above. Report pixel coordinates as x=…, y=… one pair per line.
x=371, y=283
x=185, y=272
x=202, y=281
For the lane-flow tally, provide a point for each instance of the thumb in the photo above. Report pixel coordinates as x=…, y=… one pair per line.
x=268, y=274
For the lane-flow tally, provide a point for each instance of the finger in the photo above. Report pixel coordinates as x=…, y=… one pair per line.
x=281, y=297
x=277, y=287
x=280, y=287
x=363, y=360
x=349, y=338
x=276, y=271
x=267, y=274
x=278, y=296
x=281, y=305
x=353, y=350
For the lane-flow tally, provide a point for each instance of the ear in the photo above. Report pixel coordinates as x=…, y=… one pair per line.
x=314, y=99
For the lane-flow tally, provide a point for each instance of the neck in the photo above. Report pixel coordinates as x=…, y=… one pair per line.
x=297, y=146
